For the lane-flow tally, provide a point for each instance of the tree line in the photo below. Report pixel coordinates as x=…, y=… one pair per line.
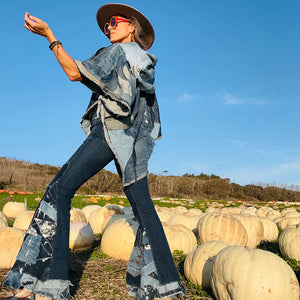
x=33, y=177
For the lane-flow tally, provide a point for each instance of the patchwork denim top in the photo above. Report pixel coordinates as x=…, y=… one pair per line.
x=121, y=78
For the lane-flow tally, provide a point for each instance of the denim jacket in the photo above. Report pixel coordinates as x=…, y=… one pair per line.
x=121, y=78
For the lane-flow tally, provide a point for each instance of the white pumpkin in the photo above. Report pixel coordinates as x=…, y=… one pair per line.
x=221, y=227
x=262, y=211
x=11, y=240
x=178, y=209
x=2, y=216
x=3, y=223
x=195, y=211
x=77, y=216
x=254, y=228
x=81, y=237
x=23, y=220
x=185, y=219
x=180, y=238
x=87, y=210
x=291, y=214
x=210, y=209
x=272, y=214
x=113, y=218
x=285, y=222
x=248, y=274
x=248, y=212
x=231, y=210
x=118, y=239
x=286, y=210
x=163, y=216
x=289, y=242
x=98, y=217
x=14, y=209
x=270, y=229
x=198, y=264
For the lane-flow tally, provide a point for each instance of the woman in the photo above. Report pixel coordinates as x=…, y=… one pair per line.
x=122, y=122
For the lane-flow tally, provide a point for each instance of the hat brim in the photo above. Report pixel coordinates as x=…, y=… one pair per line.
x=106, y=11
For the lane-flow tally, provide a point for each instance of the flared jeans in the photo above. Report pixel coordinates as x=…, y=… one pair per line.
x=42, y=263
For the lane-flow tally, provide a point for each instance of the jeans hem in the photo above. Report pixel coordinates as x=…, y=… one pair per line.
x=53, y=288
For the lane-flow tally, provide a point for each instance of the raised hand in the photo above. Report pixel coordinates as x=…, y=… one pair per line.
x=36, y=25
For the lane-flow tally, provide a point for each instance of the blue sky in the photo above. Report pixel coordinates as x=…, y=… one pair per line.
x=227, y=83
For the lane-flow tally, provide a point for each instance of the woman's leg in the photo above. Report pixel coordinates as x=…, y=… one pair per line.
x=157, y=275
x=42, y=263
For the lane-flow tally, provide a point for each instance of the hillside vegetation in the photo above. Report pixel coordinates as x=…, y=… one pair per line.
x=34, y=177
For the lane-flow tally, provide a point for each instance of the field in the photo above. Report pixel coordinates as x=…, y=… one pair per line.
x=94, y=275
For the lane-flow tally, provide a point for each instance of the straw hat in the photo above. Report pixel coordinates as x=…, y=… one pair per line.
x=106, y=11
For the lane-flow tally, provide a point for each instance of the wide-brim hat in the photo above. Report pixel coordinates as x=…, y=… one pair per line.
x=106, y=11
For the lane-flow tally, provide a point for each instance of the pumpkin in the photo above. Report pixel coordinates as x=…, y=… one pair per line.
x=289, y=242
x=3, y=223
x=23, y=220
x=221, y=227
x=210, y=209
x=97, y=218
x=11, y=240
x=118, y=239
x=113, y=218
x=2, y=216
x=254, y=228
x=180, y=238
x=286, y=210
x=243, y=273
x=285, y=222
x=291, y=214
x=270, y=229
x=262, y=211
x=231, y=210
x=164, y=216
x=81, y=237
x=195, y=211
x=87, y=210
x=178, y=209
x=199, y=263
x=248, y=212
x=272, y=214
x=14, y=209
x=185, y=219
x=77, y=216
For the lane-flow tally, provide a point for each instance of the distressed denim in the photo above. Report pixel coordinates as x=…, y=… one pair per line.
x=122, y=77
x=42, y=264
x=151, y=271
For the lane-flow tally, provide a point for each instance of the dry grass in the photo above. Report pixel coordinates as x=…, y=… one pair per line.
x=95, y=276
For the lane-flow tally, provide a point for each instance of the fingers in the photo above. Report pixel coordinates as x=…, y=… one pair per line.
x=35, y=25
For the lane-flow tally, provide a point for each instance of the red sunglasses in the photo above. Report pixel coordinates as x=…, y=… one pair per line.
x=113, y=23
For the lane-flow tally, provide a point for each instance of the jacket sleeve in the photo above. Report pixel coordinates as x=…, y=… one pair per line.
x=108, y=74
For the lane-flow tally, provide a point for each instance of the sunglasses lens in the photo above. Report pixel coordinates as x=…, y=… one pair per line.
x=106, y=31
x=113, y=22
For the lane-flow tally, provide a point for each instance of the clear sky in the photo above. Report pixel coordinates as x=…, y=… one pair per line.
x=227, y=79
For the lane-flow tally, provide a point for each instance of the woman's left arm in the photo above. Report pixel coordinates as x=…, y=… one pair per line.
x=67, y=63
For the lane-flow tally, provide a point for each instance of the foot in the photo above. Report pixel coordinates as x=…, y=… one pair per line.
x=21, y=294
x=41, y=297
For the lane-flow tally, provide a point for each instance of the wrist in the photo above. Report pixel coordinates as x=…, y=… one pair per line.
x=50, y=36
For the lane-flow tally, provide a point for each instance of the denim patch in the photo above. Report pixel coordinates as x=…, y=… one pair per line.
x=135, y=263
x=30, y=249
x=48, y=210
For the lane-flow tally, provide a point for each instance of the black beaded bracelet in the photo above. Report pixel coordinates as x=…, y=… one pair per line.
x=53, y=44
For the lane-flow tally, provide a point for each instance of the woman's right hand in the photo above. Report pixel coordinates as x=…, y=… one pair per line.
x=36, y=25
